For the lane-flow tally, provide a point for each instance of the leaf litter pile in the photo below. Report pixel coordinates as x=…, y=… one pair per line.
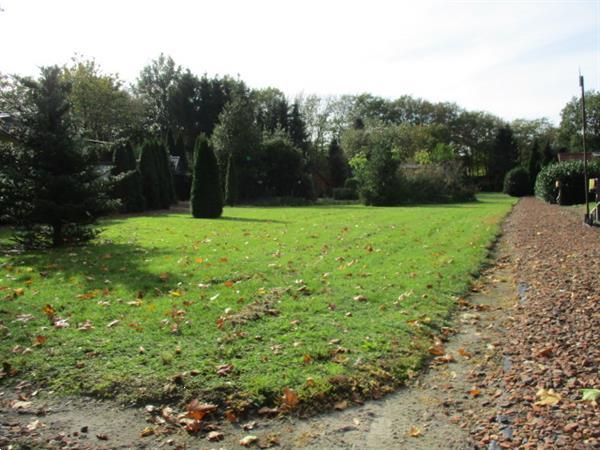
x=549, y=377
x=266, y=311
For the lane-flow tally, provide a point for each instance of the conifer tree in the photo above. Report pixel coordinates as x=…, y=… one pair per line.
x=179, y=150
x=231, y=182
x=150, y=175
x=548, y=156
x=206, y=199
x=338, y=165
x=534, y=163
x=53, y=188
x=128, y=179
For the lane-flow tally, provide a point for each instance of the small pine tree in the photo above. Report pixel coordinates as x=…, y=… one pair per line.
x=206, y=199
x=54, y=190
x=231, y=182
x=165, y=176
x=150, y=175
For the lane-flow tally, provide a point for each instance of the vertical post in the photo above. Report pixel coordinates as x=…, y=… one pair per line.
x=586, y=218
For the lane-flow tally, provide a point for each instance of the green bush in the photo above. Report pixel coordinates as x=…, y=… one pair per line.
x=570, y=176
x=517, y=183
x=436, y=184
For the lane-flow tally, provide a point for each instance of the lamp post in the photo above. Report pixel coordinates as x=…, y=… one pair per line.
x=586, y=218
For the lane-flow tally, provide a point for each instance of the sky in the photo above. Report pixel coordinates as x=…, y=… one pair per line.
x=515, y=59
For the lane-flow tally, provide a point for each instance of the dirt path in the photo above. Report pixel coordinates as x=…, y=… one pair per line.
x=529, y=325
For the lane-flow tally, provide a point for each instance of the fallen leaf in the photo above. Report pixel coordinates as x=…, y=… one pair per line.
x=437, y=350
x=590, y=395
x=307, y=359
x=475, y=392
x=224, y=369
x=164, y=277
x=228, y=283
x=290, y=398
x=248, y=440
x=102, y=437
x=39, y=340
x=113, y=323
x=32, y=426
x=60, y=323
x=197, y=410
x=18, y=404
x=19, y=292
x=86, y=326
x=465, y=354
x=360, y=298
x=547, y=397
x=415, y=432
x=230, y=416
x=48, y=310
x=215, y=436
x=340, y=406
x=148, y=431
x=249, y=426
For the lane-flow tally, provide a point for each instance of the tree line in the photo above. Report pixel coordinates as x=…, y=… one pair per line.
x=140, y=144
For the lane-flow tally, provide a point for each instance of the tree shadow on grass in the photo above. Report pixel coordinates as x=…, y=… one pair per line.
x=100, y=264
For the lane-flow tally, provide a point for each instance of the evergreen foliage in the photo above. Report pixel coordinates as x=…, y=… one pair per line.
x=548, y=155
x=338, y=165
x=150, y=175
x=51, y=185
x=534, y=165
x=570, y=176
x=206, y=198
x=503, y=156
x=231, y=183
x=517, y=182
x=127, y=179
x=377, y=177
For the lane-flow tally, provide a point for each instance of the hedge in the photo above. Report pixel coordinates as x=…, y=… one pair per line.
x=516, y=182
x=570, y=176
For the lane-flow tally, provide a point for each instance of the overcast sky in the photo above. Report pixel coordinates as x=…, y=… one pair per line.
x=516, y=59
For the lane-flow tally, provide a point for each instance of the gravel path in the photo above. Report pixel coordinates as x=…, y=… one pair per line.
x=551, y=346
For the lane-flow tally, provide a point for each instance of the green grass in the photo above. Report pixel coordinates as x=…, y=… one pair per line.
x=268, y=290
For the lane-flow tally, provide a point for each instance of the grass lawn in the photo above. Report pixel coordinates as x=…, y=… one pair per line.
x=329, y=301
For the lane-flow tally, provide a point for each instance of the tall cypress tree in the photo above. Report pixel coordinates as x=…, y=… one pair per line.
x=165, y=177
x=548, y=156
x=338, y=166
x=503, y=156
x=179, y=150
x=206, y=199
x=150, y=175
x=128, y=179
x=231, y=182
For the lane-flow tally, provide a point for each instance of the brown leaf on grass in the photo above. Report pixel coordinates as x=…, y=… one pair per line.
x=228, y=283
x=164, y=277
x=86, y=326
x=48, y=310
x=290, y=398
x=307, y=359
x=39, y=340
x=19, y=292
x=360, y=298
x=60, y=323
x=443, y=359
x=224, y=369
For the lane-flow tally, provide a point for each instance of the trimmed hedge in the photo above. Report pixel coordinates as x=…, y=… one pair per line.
x=516, y=182
x=570, y=175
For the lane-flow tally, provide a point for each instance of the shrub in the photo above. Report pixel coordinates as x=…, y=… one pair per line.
x=436, y=184
x=570, y=176
x=516, y=182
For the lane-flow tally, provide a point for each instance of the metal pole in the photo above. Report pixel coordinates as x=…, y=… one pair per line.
x=586, y=218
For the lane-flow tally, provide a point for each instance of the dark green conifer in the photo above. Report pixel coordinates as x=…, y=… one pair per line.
x=206, y=198
x=150, y=175
x=231, y=182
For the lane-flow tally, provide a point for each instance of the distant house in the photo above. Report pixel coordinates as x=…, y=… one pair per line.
x=577, y=156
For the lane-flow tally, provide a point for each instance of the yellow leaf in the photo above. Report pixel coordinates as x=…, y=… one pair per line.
x=415, y=432
x=19, y=292
x=547, y=397
x=175, y=293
